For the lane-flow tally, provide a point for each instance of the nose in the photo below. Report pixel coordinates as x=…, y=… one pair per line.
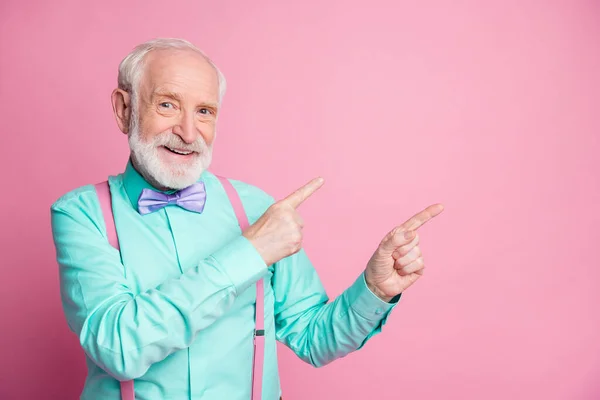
x=186, y=128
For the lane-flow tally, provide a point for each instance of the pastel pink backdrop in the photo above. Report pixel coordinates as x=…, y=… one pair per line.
x=488, y=107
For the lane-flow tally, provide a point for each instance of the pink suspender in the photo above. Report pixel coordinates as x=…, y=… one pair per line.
x=127, y=390
x=103, y=191
x=259, y=318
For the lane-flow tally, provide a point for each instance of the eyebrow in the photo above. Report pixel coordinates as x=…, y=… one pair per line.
x=177, y=96
x=167, y=93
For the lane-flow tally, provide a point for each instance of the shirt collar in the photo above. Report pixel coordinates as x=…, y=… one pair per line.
x=134, y=183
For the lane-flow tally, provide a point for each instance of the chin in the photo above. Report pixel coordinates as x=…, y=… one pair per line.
x=177, y=175
x=174, y=177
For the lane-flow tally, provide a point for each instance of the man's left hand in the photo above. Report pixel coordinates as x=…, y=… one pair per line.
x=398, y=263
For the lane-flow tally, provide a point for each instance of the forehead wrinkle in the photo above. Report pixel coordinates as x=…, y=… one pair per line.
x=158, y=92
x=159, y=78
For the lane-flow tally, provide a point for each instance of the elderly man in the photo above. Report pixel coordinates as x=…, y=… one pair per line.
x=175, y=306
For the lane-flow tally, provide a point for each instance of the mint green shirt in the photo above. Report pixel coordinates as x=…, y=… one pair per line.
x=174, y=310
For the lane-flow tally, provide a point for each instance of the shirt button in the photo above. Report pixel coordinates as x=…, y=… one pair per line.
x=378, y=311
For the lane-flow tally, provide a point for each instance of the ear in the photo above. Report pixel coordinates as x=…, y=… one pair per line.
x=121, y=103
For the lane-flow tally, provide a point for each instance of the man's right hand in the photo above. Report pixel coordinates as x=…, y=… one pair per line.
x=278, y=232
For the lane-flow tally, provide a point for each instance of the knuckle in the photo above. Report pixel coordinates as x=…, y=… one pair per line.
x=415, y=252
x=414, y=241
x=296, y=237
x=407, y=252
x=294, y=248
x=290, y=248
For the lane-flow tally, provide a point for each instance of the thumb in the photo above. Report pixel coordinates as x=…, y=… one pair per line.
x=396, y=239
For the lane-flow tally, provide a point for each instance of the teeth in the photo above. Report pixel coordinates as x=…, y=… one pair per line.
x=185, y=153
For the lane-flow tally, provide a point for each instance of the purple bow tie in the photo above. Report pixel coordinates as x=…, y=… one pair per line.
x=191, y=198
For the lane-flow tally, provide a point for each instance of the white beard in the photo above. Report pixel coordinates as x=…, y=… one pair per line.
x=147, y=160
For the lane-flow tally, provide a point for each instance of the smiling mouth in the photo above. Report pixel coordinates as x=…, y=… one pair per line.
x=179, y=151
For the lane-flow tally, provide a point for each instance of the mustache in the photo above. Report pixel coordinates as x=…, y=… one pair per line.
x=173, y=141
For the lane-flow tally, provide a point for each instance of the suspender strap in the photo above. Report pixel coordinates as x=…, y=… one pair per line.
x=127, y=388
x=259, y=310
x=103, y=191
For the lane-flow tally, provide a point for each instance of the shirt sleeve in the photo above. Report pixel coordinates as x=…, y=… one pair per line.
x=316, y=330
x=121, y=331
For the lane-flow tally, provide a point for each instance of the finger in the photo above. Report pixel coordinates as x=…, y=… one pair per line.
x=414, y=267
x=421, y=218
x=408, y=258
x=395, y=239
x=403, y=250
x=300, y=195
x=412, y=278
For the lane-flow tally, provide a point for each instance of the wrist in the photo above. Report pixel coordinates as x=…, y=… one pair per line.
x=375, y=290
x=259, y=248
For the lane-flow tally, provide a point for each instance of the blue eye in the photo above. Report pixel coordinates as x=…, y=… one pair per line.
x=204, y=111
x=166, y=105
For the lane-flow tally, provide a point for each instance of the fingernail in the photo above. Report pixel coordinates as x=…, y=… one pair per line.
x=409, y=235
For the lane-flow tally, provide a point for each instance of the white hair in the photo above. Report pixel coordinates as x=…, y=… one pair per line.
x=132, y=66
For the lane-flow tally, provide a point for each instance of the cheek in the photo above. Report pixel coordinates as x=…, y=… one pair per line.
x=208, y=132
x=153, y=126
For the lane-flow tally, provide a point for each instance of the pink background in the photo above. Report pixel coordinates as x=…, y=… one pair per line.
x=488, y=107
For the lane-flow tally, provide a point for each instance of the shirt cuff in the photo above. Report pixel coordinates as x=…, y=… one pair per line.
x=365, y=303
x=241, y=262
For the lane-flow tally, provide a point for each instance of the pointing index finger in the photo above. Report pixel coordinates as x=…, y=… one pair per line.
x=300, y=195
x=421, y=218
